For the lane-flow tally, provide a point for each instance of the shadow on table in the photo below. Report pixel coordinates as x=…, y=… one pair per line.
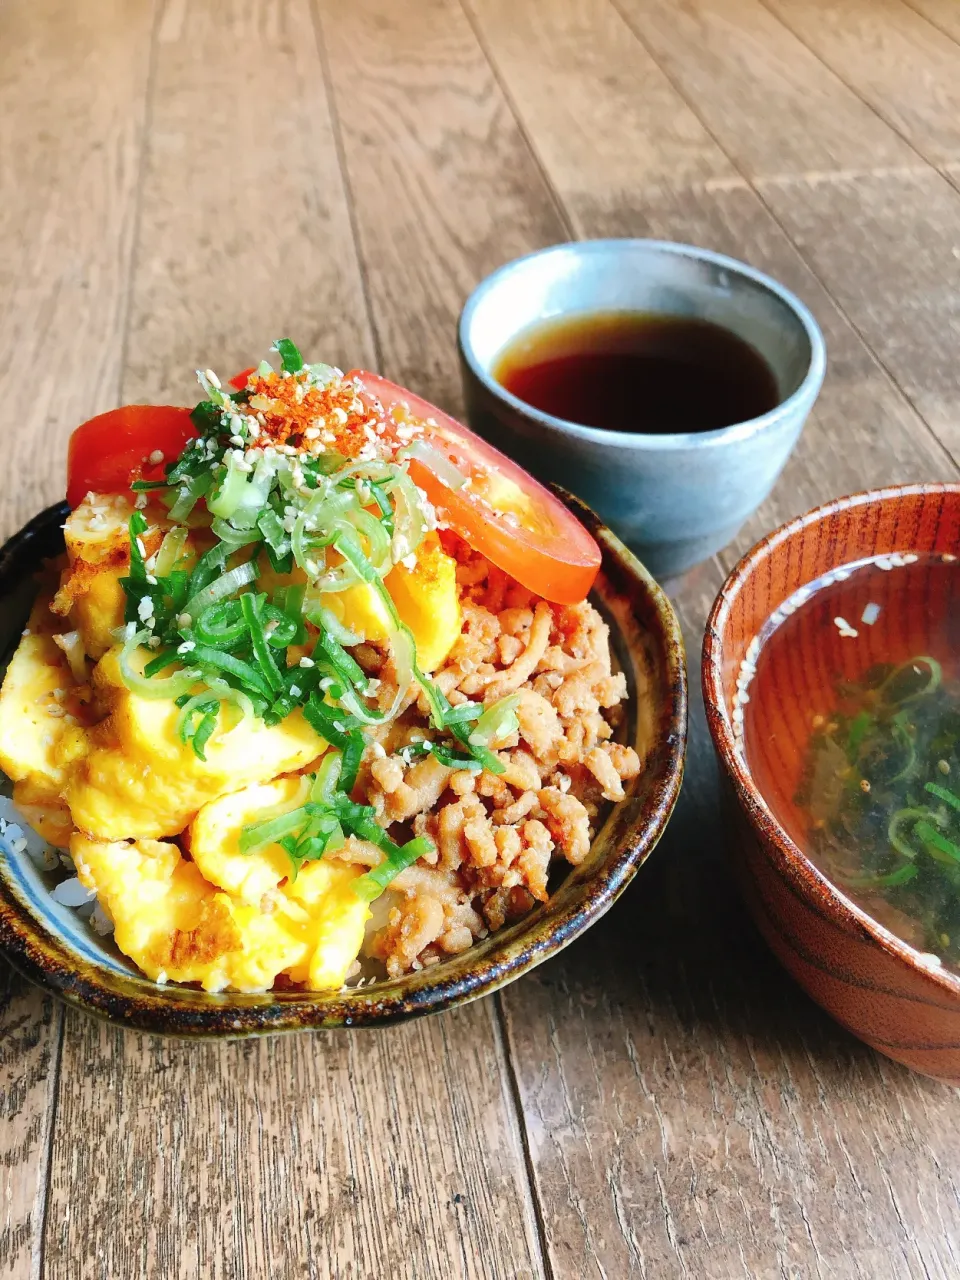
x=680, y=948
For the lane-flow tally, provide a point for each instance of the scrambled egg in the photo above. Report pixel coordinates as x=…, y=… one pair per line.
x=39, y=704
x=131, y=776
x=177, y=926
x=102, y=770
x=426, y=598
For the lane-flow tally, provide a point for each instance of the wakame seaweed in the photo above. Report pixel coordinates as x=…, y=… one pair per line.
x=881, y=788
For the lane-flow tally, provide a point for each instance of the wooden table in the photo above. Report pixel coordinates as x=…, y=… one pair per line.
x=186, y=180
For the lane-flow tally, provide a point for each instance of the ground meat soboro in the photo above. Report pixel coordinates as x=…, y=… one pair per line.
x=496, y=835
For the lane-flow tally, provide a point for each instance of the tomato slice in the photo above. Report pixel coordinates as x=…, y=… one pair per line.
x=107, y=453
x=503, y=513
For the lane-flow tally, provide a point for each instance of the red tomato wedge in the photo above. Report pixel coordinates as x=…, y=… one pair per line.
x=503, y=513
x=107, y=453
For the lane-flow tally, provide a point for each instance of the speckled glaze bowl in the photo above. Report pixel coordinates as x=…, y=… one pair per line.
x=54, y=948
x=897, y=999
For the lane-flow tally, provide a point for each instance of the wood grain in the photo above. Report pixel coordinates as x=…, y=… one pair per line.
x=69, y=170
x=611, y=123
x=69, y=173
x=896, y=273
x=898, y=62
x=889, y=439
x=943, y=14
x=444, y=185
x=366, y=1154
x=29, y=1042
x=392, y=1153
x=770, y=103
x=687, y=1112
x=245, y=233
x=669, y=1073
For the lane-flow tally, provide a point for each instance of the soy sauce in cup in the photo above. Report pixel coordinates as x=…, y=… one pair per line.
x=638, y=372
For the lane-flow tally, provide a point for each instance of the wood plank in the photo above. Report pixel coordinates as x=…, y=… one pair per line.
x=896, y=60
x=380, y=1153
x=444, y=185
x=770, y=103
x=613, y=123
x=895, y=271
x=344, y=1154
x=681, y=1095
x=246, y=231
x=716, y=213
x=944, y=15
x=69, y=168
x=29, y=1040
x=902, y=302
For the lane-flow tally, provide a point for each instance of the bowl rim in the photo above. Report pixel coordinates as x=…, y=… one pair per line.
x=667, y=442
x=34, y=949
x=788, y=855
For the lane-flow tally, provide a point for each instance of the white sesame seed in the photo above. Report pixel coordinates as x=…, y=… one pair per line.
x=870, y=613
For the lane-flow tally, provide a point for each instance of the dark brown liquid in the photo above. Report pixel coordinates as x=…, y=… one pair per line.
x=629, y=371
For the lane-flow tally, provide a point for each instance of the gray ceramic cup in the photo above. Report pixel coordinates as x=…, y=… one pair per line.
x=675, y=499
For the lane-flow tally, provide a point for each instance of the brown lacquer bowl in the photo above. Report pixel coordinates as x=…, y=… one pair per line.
x=54, y=948
x=894, y=997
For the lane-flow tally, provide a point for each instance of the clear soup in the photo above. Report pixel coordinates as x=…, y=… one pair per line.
x=851, y=729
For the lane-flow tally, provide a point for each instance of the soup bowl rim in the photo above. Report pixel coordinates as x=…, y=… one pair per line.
x=787, y=854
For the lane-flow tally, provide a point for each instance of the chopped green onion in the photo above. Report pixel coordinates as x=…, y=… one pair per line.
x=165, y=658
x=206, y=655
x=170, y=551
x=370, y=885
x=907, y=871
x=280, y=629
x=204, y=733
x=200, y=702
x=220, y=625
x=271, y=526
x=234, y=538
x=251, y=605
x=325, y=619
x=335, y=726
x=926, y=832
x=410, y=524
x=189, y=494
x=346, y=667
x=352, y=754
x=944, y=794
x=327, y=777
x=896, y=825
x=260, y=834
x=496, y=723
x=226, y=585
x=439, y=463
x=151, y=687
x=137, y=526
x=230, y=496
x=291, y=360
